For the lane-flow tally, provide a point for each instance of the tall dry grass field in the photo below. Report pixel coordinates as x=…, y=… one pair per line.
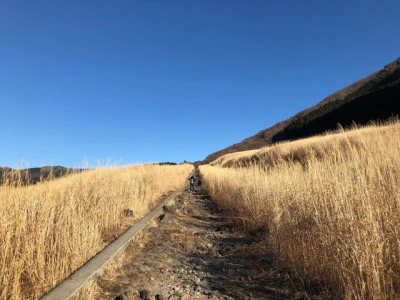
x=330, y=207
x=50, y=229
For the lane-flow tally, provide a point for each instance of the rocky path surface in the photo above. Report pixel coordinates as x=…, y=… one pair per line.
x=194, y=253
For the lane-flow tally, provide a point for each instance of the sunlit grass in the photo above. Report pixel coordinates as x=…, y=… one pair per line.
x=329, y=207
x=50, y=229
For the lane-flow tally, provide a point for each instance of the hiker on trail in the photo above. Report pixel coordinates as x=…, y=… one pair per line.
x=192, y=181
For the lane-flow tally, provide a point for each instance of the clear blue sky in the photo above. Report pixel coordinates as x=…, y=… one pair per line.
x=150, y=81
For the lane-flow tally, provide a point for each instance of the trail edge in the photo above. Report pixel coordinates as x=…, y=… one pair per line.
x=72, y=285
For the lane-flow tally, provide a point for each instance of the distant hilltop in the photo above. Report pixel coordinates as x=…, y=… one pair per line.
x=33, y=175
x=375, y=97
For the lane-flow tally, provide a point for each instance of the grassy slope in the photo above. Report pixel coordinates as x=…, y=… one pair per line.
x=50, y=229
x=371, y=98
x=328, y=205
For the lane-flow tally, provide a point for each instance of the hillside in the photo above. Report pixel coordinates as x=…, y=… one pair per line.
x=322, y=203
x=375, y=97
x=33, y=175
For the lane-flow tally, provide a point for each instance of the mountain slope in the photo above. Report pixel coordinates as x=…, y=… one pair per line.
x=375, y=97
x=33, y=175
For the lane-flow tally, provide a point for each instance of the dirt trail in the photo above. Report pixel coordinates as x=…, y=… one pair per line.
x=194, y=253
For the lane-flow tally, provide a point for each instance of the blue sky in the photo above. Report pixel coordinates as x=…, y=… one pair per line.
x=150, y=81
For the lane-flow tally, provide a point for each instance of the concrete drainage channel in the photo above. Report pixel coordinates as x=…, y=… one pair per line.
x=72, y=285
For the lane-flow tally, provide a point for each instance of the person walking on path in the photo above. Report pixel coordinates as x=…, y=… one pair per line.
x=192, y=181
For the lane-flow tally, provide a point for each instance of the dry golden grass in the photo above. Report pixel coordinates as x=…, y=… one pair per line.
x=321, y=145
x=330, y=207
x=50, y=229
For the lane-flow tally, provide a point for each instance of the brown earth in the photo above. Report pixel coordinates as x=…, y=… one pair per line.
x=194, y=253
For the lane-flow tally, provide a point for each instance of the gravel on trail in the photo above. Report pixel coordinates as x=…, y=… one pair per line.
x=193, y=252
